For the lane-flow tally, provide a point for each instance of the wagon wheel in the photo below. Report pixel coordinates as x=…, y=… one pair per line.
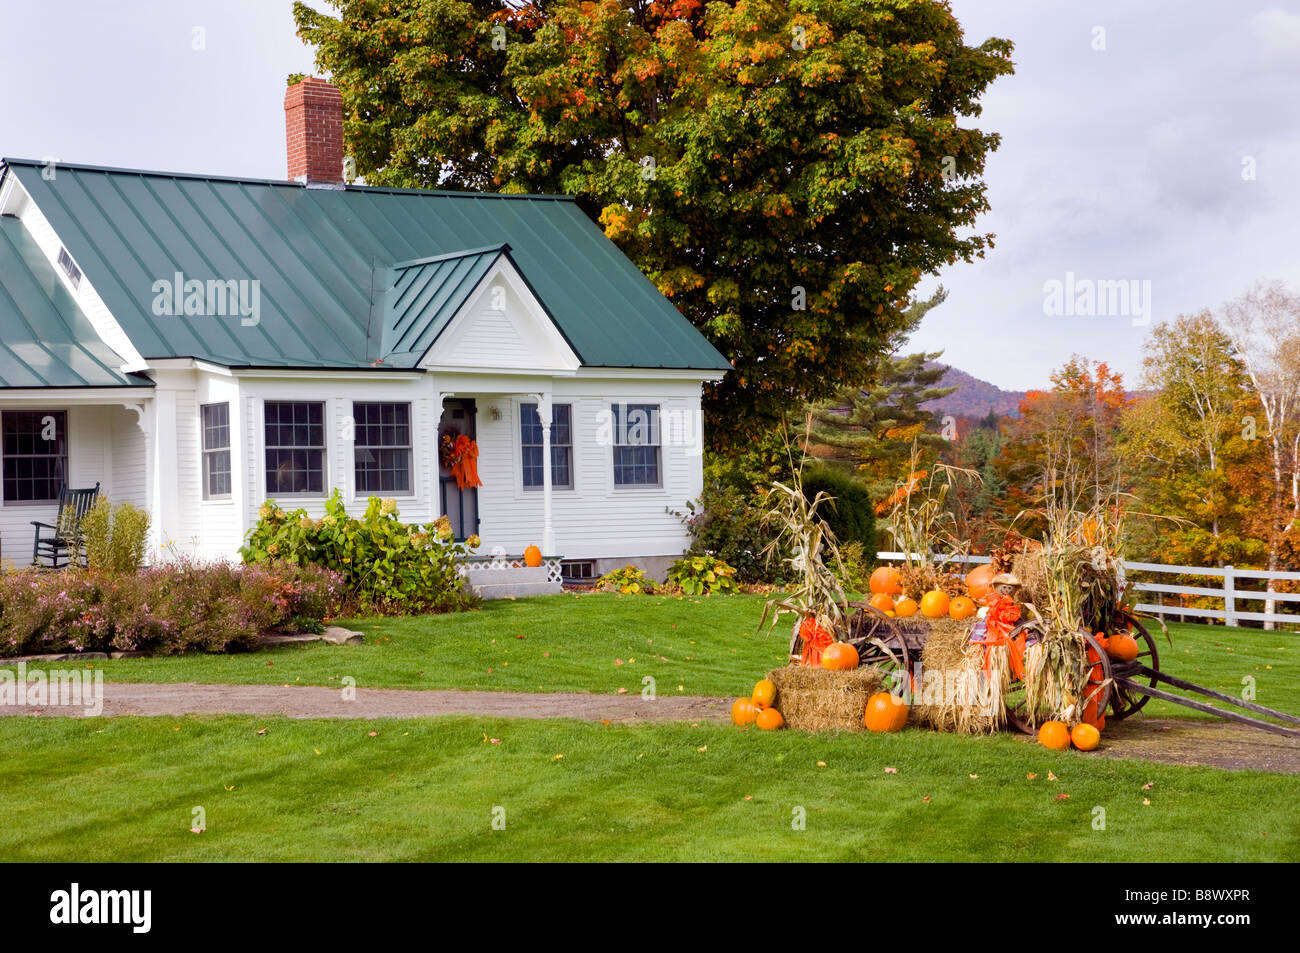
x=1124, y=700
x=883, y=649
x=1101, y=684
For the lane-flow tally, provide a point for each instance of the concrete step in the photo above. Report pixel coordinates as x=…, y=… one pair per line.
x=517, y=590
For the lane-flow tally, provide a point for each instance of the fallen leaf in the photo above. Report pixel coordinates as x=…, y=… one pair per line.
x=926, y=799
x=891, y=770
x=317, y=750
x=821, y=764
x=261, y=731
x=749, y=797
x=622, y=691
x=1146, y=802
x=974, y=775
x=1062, y=797
x=1148, y=786
x=702, y=748
x=196, y=830
x=374, y=734
x=231, y=788
x=618, y=661
x=557, y=757
x=1052, y=777
x=495, y=741
x=1031, y=775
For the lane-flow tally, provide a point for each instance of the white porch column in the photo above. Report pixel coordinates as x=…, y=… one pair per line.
x=548, y=528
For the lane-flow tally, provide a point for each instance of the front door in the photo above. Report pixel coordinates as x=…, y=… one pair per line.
x=461, y=506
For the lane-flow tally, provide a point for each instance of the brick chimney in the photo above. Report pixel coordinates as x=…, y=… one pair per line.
x=313, y=132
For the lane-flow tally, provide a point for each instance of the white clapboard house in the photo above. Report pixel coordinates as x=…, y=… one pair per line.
x=197, y=345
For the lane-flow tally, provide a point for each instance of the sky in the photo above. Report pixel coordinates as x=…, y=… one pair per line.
x=1155, y=144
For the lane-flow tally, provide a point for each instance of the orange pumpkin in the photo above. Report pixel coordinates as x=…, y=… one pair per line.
x=743, y=711
x=885, y=712
x=764, y=693
x=840, y=657
x=904, y=608
x=934, y=604
x=769, y=719
x=882, y=602
x=886, y=580
x=1085, y=737
x=979, y=581
x=532, y=557
x=1054, y=734
x=961, y=608
x=1122, y=647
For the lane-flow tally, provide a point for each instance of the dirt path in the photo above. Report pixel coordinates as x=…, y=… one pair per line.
x=1200, y=741
x=316, y=702
x=1172, y=740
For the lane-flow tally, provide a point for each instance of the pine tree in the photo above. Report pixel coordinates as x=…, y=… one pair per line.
x=870, y=431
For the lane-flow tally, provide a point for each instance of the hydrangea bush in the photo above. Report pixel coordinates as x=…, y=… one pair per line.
x=387, y=566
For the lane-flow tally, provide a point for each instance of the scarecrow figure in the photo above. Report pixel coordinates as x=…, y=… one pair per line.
x=996, y=626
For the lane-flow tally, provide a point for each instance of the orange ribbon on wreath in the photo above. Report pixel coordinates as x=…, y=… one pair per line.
x=1002, y=617
x=465, y=469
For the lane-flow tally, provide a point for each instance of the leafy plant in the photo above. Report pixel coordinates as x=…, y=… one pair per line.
x=702, y=575
x=113, y=538
x=726, y=522
x=629, y=580
x=388, y=567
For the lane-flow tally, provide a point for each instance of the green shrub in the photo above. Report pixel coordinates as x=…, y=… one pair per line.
x=113, y=538
x=851, y=516
x=702, y=574
x=726, y=522
x=388, y=567
x=629, y=580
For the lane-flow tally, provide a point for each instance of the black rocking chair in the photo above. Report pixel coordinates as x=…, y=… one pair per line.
x=56, y=549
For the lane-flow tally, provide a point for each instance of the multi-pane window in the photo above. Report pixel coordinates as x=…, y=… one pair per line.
x=382, y=447
x=530, y=441
x=35, y=450
x=215, y=421
x=636, y=444
x=295, y=447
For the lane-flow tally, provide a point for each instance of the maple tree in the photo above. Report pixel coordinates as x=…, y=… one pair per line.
x=1063, y=446
x=1184, y=446
x=786, y=171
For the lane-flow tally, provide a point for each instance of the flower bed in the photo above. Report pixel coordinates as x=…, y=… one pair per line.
x=164, y=610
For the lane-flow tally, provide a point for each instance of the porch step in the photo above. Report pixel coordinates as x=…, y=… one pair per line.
x=514, y=582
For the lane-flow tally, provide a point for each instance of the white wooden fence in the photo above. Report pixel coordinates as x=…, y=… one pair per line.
x=1225, y=589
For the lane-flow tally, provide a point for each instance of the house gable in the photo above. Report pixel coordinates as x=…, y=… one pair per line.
x=502, y=326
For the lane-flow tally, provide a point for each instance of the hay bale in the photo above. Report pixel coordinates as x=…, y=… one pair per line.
x=953, y=695
x=813, y=698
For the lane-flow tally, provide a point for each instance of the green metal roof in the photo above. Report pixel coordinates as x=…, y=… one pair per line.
x=424, y=295
x=45, y=340
x=328, y=262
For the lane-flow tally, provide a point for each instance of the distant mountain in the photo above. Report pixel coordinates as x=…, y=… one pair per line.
x=973, y=397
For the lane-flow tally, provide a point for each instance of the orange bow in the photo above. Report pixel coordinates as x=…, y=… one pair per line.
x=1002, y=617
x=465, y=469
x=815, y=641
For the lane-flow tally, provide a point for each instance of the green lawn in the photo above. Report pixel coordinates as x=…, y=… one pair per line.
x=691, y=646
x=124, y=789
